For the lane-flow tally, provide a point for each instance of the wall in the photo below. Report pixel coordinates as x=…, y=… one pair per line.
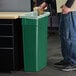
x=15, y=5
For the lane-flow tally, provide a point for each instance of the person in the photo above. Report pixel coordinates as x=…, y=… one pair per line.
x=67, y=34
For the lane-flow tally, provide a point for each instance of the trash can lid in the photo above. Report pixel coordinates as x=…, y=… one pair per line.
x=34, y=15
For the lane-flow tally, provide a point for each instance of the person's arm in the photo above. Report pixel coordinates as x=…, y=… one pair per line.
x=69, y=3
x=44, y=4
x=66, y=8
x=47, y=1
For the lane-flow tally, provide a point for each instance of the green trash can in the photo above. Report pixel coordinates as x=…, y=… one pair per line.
x=34, y=30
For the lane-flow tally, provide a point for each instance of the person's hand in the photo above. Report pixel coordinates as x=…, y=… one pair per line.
x=40, y=8
x=43, y=6
x=65, y=9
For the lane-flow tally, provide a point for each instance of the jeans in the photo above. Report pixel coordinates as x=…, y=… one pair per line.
x=68, y=37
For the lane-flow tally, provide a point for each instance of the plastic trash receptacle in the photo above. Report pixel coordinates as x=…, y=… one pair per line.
x=34, y=30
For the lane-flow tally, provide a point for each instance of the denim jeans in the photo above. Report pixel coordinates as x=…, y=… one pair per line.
x=68, y=36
